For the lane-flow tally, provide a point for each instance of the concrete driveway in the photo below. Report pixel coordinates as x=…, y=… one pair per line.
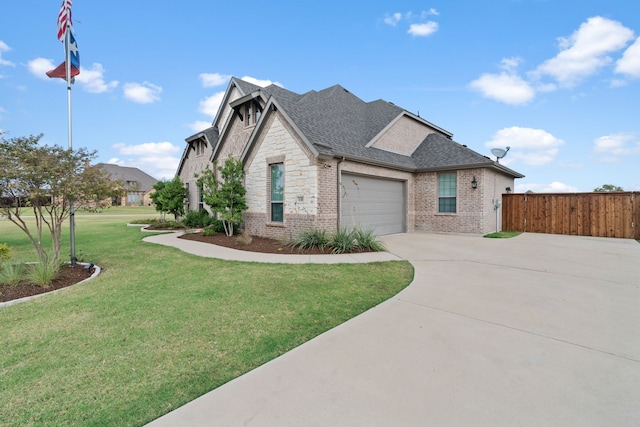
x=538, y=330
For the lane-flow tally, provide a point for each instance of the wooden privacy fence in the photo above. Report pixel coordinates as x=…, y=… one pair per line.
x=579, y=214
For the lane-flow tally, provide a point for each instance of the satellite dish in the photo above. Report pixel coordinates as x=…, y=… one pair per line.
x=499, y=153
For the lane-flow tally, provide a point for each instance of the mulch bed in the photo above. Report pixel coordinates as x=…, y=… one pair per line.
x=258, y=244
x=68, y=276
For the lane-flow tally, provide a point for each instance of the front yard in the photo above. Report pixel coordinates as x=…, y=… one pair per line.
x=159, y=327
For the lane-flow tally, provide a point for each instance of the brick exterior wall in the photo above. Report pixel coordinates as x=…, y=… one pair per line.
x=403, y=137
x=194, y=164
x=475, y=212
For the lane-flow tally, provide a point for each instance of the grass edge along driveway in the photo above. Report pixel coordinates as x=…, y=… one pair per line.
x=159, y=327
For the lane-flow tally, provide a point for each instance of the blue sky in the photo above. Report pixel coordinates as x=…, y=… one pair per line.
x=557, y=81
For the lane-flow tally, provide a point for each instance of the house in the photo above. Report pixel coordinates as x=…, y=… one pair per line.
x=327, y=159
x=138, y=185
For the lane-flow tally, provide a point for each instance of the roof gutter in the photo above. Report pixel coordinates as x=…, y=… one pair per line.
x=369, y=161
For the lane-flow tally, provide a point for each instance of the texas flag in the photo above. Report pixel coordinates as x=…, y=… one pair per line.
x=65, y=34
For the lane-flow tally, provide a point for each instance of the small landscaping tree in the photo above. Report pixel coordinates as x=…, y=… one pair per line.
x=225, y=195
x=169, y=197
x=43, y=182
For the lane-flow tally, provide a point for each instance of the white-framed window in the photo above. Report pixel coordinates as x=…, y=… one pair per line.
x=200, y=197
x=276, y=195
x=447, y=190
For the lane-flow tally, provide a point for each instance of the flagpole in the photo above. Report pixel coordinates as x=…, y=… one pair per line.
x=72, y=214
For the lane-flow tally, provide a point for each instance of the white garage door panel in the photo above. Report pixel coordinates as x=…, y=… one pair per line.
x=373, y=202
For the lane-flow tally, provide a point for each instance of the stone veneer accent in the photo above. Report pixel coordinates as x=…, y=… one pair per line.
x=300, y=182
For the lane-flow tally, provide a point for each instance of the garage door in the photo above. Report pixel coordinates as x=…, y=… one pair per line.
x=373, y=202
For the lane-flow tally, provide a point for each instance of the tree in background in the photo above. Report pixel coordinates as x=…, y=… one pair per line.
x=225, y=195
x=606, y=188
x=42, y=181
x=169, y=197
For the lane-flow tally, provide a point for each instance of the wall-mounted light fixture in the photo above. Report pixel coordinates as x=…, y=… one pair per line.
x=508, y=189
x=474, y=183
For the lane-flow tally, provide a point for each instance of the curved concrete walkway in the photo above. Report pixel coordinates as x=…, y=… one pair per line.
x=530, y=331
x=220, y=252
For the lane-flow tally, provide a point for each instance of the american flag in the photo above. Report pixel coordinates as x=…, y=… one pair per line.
x=64, y=19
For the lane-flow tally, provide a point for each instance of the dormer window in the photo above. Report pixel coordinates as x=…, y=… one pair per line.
x=199, y=147
x=248, y=116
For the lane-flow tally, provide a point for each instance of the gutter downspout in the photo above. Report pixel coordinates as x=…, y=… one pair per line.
x=338, y=188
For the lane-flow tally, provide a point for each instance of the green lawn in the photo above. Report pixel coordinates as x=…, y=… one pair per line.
x=505, y=234
x=160, y=327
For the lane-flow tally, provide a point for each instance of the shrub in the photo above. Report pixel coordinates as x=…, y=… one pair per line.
x=314, y=238
x=165, y=225
x=344, y=241
x=209, y=230
x=11, y=274
x=198, y=219
x=5, y=252
x=43, y=273
x=367, y=240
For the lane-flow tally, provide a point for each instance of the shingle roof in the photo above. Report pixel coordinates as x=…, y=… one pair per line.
x=339, y=123
x=144, y=182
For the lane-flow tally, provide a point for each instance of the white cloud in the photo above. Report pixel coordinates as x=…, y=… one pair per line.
x=393, y=19
x=92, y=79
x=419, y=29
x=504, y=87
x=554, y=187
x=585, y=52
x=144, y=93
x=629, y=64
x=507, y=87
x=158, y=159
x=423, y=30
x=534, y=147
x=214, y=79
x=153, y=148
x=39, y=67
x=5, y=48
x=615, y=147
x=210, y=104
x=199, y=125
x=261, y=83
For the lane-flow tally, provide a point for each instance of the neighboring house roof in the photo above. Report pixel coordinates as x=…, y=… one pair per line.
x=133, y=178
x=336, y=123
